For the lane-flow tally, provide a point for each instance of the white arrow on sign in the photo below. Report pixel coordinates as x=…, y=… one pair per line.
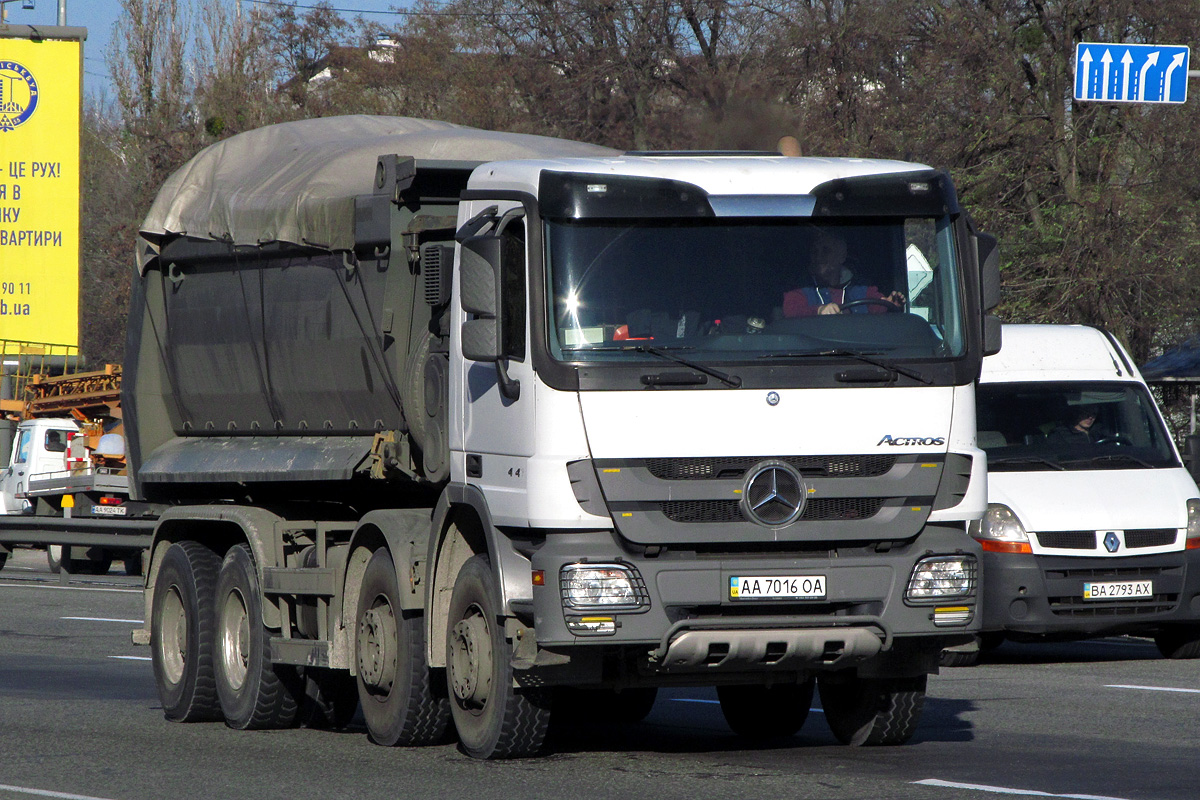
x=1127, y=61
x=1176, y=63
x=1106, y=60
x=1151, y=61
x=1086, y=60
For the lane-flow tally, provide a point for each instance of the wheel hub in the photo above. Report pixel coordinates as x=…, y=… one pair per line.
x=235, y=640
x=471, y=662
x=377, y=647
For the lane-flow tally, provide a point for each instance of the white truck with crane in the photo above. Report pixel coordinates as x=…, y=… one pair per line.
x=442, y=420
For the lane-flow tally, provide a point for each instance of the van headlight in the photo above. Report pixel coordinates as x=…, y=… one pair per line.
x=1000, y=531
x=938, y=578
x=1193, y=525
x=608, y=587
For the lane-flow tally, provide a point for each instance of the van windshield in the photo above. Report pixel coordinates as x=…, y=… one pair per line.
x=751, y=288
x=1073, y=425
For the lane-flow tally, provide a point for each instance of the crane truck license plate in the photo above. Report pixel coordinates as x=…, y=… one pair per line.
x=776, y=587
x=1117, y=590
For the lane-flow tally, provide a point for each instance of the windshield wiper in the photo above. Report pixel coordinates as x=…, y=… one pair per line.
x=1112, y=458
x=858, y=355
x=1026, y=460
x=724, y=377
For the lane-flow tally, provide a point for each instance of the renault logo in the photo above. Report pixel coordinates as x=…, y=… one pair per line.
x=1111, y=542
x=774, y=495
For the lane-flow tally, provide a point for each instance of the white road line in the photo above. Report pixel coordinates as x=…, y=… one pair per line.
x=131, y=658
x=66, y=588
x=980, y=787
x=105, y=619
x=1151, y=688
x=47, y=793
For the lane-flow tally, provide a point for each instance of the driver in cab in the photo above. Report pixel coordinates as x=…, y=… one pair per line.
x=831, y=288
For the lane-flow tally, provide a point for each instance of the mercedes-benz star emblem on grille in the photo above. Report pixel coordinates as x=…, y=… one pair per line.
x=772, y=398
x=1111, y=542
x=774, y=495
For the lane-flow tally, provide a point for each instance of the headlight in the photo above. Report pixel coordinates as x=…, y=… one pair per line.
x=612, y=587
x=1000, y=531
x=941, y=578
x=1193, y=528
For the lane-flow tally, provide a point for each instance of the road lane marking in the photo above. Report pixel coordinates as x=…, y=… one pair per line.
x=981, y=787
x=1151, y=688
x=105, y=619
x=48, y=793
x=131, y=658
x=66, y=588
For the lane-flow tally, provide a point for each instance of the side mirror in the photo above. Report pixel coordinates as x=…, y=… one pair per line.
x=987, y=256
x=479, y=279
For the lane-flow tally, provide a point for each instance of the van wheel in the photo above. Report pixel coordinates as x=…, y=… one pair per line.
x=182, y=631
x=1181, y=641
x=402, y=703
x=766, y=712
x=872, y=711
x=54, y=558
x=493, y=718
x=254, y=694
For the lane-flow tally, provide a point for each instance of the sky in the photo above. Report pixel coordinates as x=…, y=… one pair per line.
x=98, y=16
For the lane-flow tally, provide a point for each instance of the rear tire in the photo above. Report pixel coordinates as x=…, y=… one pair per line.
x=766, y=712
x=182, y=632
x=402, y=703
x=493, y=718
x=254, y=694
x=1179, y=642
x=873, y=711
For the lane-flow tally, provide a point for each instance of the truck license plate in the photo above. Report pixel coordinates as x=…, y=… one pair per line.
x=1117, y=590
x=776, y=587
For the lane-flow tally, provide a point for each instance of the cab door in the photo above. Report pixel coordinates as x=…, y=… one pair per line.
x=15, y=475
x=496, y=373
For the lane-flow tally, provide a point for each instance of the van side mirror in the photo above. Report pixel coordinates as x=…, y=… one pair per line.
x=479, y=294
x=987, y=256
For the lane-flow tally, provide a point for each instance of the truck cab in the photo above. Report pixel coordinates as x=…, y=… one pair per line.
x=40, y=450
x=1093, y=524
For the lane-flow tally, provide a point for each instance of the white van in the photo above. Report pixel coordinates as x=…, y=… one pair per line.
x=1093, y=524
x=40, y=448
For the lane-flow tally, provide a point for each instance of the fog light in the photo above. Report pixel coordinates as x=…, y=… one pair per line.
x=942, y=577
x=592, y=626
x=952, y=615
x=1193, y=524
x=602, y=587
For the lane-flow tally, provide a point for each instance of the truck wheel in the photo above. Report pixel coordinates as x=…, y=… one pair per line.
x=401, y=702
x=182, y=630
x=330, y=698
x=873, y=711
x=766, y=712
x=254, y=694
x=54, y=558
x=1179, y=642
x=493, y=718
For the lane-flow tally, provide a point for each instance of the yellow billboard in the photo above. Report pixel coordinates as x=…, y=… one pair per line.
x=40, y=103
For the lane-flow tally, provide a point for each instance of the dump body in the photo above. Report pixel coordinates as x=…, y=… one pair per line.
x=506, y=403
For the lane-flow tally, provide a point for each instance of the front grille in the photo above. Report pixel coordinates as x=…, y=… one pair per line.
x=818, y=510
x=1075, y=606
x=1067, y=540
x=691, y=469
x=1150, y=537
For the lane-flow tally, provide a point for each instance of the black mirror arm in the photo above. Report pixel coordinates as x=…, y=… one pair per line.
x=510, y=388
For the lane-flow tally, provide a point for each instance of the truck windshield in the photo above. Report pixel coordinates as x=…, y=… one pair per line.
x=1040, y=426
x=741, y=289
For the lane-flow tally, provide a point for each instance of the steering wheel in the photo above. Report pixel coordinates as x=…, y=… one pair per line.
x=874, y=301
x=1115, y=438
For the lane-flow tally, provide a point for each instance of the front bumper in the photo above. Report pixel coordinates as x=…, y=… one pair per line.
x=689, y=624
x=1043, y=595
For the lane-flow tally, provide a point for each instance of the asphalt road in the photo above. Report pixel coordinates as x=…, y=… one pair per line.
x=79, y=718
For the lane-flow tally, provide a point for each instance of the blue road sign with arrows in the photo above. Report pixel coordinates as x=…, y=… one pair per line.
x=1131, y=73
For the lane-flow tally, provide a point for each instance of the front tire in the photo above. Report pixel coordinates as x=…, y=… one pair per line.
x=873, y=711
x=401, y=703
x=494, y=719
x=1179, y=642
x=766, y=712
x=254, y=694
x=182, y=632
